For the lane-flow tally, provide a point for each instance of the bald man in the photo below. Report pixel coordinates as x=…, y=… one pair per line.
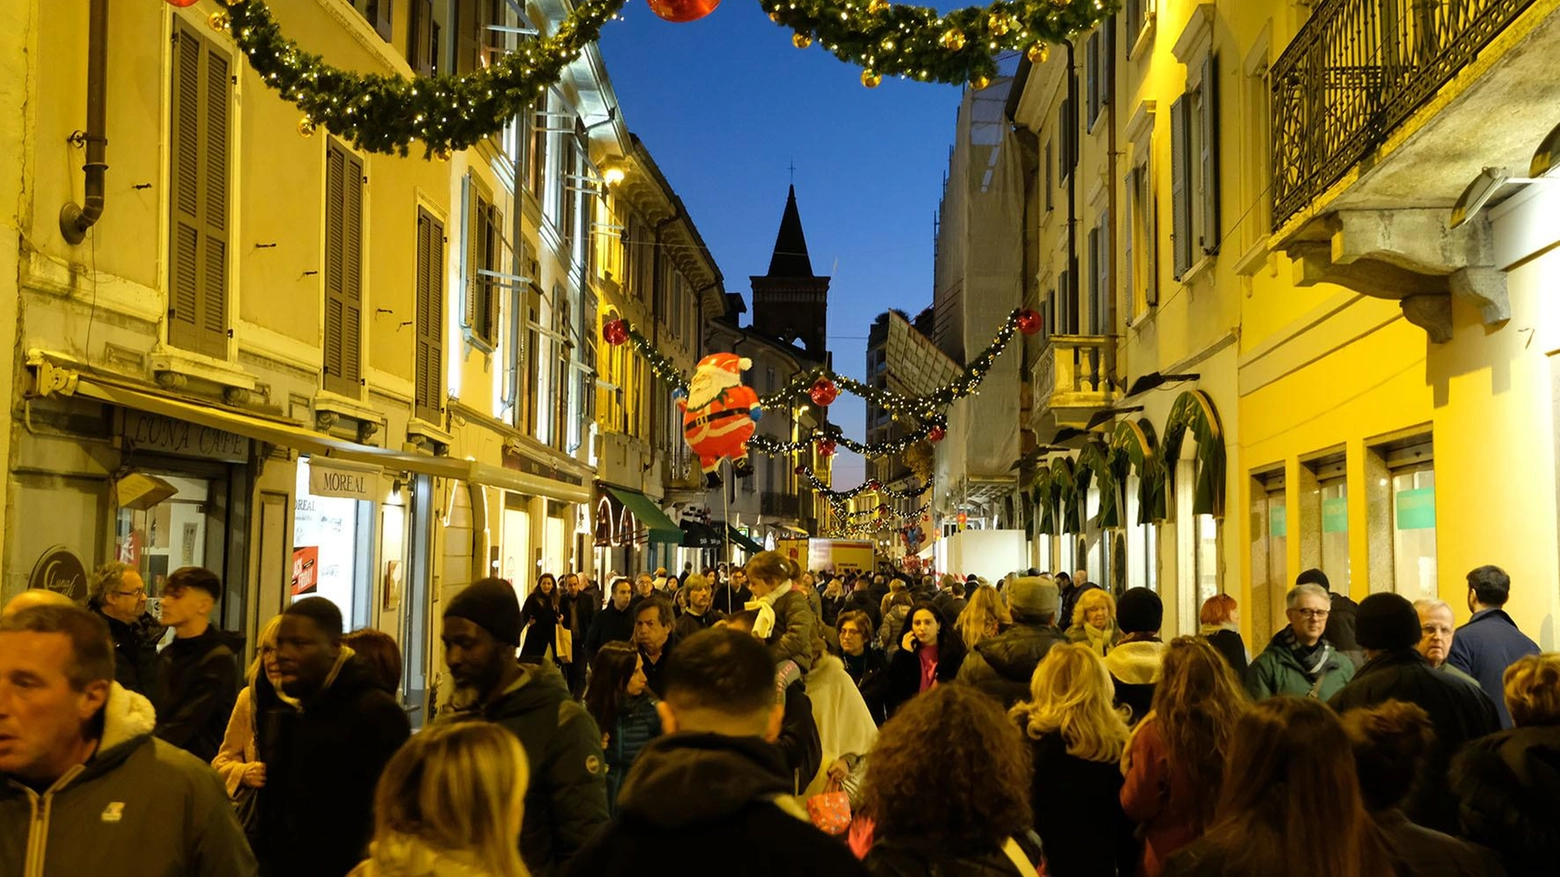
x=35, y=597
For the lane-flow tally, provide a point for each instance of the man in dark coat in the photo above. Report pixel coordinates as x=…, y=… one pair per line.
x=614, y=623
x=580, y=604
x=733, y=595
x=1388, y=628
x=323, y=757
x=566, y=803
x=117, y=593
x=1490, y=641
x=862, y=599
x=713, y=791
x=198, y=671
x=1341, y=616
x=653, y=624
x=1002, y=665
x=700, y=613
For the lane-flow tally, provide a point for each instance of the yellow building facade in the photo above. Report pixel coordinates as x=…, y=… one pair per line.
x=1262, y=262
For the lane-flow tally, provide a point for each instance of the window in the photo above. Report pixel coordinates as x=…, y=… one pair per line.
x=343, y=271
x=1194, y=172
x=1099, y=69
x=422, y=38
x=377, y=13
x=484, y=264
x=1099, y=276
x=533, y=359
x=199, y=147
x=1050, y=177
x=1138, y=18
x=430, y=318
x=541, y=138
x=473, y=36
x=1401, y=497
x=1069, y=140
x=1067, y=289
x=1326, y=509
x=1269, y=550
x=514, y=358
x=563, y=372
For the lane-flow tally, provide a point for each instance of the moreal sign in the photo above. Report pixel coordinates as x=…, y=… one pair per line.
x=350, y=482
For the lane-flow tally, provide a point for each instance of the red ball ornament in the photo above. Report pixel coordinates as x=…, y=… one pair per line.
x=614, y=332
x=825, y=447
x=801, y=470
x=182, y=3
x=682, y=11
x=824, y=392
x=883, y=509
x=936, y=433
x=873, y=484
x=1030, y=322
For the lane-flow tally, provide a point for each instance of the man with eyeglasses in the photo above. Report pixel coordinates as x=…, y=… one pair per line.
x=1299, y=660
x=116, y=592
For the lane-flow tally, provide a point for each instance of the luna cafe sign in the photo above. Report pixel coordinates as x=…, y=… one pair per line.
x=59, y=569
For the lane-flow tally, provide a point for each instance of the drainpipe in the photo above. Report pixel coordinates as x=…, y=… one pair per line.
x=1074, y=141
x=1114, y=155
x=75, y=218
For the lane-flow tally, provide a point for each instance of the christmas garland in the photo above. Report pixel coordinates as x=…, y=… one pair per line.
x=918, y=42
x=894, y=521
x=872, y=486
x=384, y=113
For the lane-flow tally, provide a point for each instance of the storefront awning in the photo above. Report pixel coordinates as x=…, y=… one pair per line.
x=743, y=541
x=524, y=482
x=273, y=431
x=697, y=534
x=661, y=528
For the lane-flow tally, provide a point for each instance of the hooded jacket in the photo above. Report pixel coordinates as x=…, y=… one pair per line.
x=140, y=807
x=1508, y=794
x=196, y=689
x=323, y=760
x=567, y=800
x=1134, y=668
x=1458, y=711
x=1001, y=665
x=708, y=804
x=611, y=624
x=1277, y=671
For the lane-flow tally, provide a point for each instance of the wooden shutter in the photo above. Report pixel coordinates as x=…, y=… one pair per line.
x=343, y=271
x=490, y=286
x=1180, y=193
x=1102, y=300
x=1150, y=242
x=1096, y=320
x=379, y=16
x=430, y=318
x=198, y=227
x=1129, y=235
x=468, y=35
x=1091, y=69
x=1209, y=183
x=419, y=37
x=472, y=230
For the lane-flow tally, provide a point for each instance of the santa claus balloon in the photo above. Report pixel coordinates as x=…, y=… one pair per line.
x=719, y=415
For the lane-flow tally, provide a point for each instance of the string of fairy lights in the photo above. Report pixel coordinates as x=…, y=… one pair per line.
x=386, y=113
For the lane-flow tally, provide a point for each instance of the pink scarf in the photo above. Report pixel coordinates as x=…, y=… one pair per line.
x=928, y=656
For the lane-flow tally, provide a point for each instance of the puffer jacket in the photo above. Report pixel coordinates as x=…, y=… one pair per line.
x=637, y=724
x=1277, y=671
x=1002, y=665
x=1508, y=795
x=141, y=807
x=716, y=805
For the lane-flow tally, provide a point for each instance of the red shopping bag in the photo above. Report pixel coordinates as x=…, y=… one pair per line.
x=830, y=810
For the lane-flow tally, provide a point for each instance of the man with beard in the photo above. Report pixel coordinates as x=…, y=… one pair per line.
x=701, y=613
x=567, y=799
x=117, y=593
x=580, y=605
x=615, y=623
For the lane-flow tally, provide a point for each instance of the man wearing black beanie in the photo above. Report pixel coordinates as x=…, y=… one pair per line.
x=1388, y=630
x=567, y=799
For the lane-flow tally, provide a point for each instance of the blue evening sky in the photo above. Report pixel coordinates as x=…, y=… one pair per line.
x=726, y=104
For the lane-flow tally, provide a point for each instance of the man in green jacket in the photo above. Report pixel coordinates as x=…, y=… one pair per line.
x=1299, y=660
x=84, y=786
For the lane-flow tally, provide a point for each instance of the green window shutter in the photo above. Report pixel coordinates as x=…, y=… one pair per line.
x=490, y=286
x=1180, y=194
x=1209, y=117
x=419, y=37
x=199, y=154
x=430, y=322
x=352, y=277
x=469, y=235
x=379, y=16
x=213, y=334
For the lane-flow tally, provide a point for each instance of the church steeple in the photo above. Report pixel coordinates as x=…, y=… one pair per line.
x=790, y=258
x=790, y=302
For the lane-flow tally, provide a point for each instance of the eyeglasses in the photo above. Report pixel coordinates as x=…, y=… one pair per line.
x=1311, y=613
x=138, y=594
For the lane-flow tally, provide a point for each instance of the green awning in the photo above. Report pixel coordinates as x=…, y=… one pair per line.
x=743, y=541
x=661, y=528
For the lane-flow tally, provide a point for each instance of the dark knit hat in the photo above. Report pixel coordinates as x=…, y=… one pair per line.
x=490, y=604
x=1140, y=611
x=1386, y=622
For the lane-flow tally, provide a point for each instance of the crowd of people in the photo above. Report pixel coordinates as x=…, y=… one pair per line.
x=772, y=720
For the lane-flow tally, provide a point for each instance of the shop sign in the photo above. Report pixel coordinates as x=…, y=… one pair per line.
x=165, y=435
x=327, y=478
x=1416, y=509
x=1335, y=515
x=59, y=569
x=1278, y=522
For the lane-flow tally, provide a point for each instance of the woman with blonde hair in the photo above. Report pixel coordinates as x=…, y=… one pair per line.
x=1094, y=621
x=449, y=804
x=1174, y=763
x=1076, y=737
x=984, y=616
x=238, y=759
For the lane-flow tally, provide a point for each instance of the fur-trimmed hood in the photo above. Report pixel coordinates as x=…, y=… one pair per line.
x=1136, y=663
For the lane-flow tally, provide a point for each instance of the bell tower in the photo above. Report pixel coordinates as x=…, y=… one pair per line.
x=791, y=303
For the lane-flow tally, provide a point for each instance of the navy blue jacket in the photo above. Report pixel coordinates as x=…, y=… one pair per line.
x=1484, y=647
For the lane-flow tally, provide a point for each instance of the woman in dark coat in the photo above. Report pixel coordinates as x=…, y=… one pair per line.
x=930, y=653
x=540, y=617
x=1220, y=620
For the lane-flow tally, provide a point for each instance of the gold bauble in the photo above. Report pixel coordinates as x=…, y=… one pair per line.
x=979, y=83
x=218, y=21
x=952, y=38
x=878, y=6
x=1001, y=23
x=444, y=154
x=801, y=40
x=1039, y=53
x=305, y=127
x=774, y=17
x=871, y=78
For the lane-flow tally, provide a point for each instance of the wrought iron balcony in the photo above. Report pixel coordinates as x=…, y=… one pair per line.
x=1070, y=381
x=1356, y=71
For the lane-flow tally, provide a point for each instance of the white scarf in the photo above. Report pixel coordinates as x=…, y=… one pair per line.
x=765, y=607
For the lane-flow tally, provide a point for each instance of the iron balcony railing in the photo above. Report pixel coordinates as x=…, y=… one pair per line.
x=1355, y=72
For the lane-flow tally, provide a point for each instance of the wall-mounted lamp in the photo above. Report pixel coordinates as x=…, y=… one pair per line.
x=1481, y=192
x=1155, y=380
x=613, y=175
